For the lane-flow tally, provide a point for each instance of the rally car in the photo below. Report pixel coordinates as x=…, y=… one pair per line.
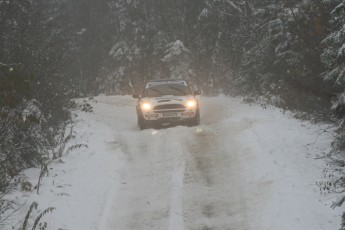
x=167, y=102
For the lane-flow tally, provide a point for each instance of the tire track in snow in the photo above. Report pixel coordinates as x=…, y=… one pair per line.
x=215, y=196
x=176, y=219
x=152, y=194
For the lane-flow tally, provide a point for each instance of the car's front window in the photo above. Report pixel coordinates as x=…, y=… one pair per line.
x=167, y=89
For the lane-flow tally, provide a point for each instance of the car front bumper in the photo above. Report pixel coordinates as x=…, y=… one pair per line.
x=167, y=122
x=169, y=116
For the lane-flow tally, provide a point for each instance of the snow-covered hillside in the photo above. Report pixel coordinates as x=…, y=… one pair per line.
x=244, y=167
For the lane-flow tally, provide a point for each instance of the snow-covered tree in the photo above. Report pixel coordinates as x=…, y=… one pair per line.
x=333, y=56
x=33, y=96
x=281, y=52
x=117, y=79
x=177, y=57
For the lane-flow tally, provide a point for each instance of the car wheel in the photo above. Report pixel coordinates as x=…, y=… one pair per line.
x=195, y=121
x=141, y=122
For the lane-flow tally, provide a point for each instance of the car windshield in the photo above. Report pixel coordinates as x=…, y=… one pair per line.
x=167, y=89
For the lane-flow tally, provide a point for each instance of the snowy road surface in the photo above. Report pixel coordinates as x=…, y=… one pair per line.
x=244, y=167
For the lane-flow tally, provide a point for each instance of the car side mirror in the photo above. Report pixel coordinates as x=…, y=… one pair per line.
x=136, y=95
x=197, y=92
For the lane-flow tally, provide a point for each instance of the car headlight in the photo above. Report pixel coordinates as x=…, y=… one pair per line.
x=146, y=106
x=191, y=104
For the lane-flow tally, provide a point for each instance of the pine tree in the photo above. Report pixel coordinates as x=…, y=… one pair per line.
x=177, y=57
x=333, y=56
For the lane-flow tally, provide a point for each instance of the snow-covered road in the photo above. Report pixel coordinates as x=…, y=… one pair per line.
x=180, y=178
x=244, y=167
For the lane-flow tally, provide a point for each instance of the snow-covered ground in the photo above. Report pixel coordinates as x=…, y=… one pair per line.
x=244, y=167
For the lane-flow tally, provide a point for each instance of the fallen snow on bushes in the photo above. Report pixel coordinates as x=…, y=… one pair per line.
x=244, y=167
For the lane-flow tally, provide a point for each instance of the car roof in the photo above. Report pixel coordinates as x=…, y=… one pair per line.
x=165, y=81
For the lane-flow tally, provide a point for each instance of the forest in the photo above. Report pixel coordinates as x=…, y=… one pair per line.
x=288, y=53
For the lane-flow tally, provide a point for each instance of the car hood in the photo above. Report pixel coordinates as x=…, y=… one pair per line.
x=167, y=99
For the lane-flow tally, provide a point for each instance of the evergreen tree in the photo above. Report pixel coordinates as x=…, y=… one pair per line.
x=178, y=60
x=333, y=56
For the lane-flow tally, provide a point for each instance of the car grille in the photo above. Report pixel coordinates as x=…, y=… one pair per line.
x=169, y=111
x=169, y=106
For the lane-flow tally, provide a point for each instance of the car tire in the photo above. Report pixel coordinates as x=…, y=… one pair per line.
x=141, y=122
x=195, y=121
